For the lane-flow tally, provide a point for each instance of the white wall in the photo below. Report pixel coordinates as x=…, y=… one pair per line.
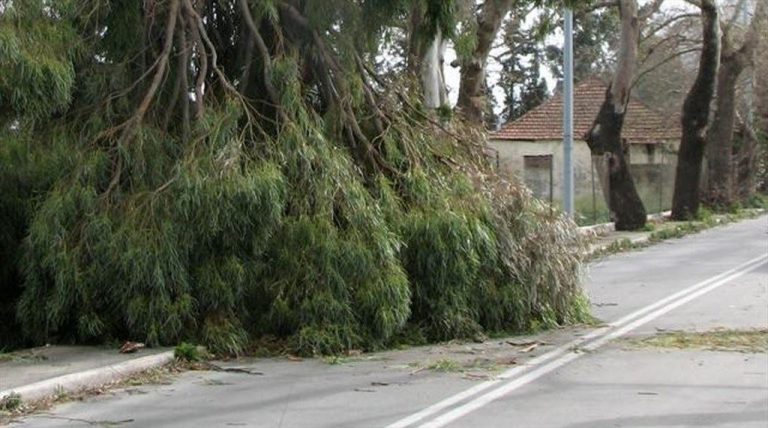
x=512, y=153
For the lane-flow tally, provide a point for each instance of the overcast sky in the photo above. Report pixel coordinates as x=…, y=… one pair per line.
x=452, y=74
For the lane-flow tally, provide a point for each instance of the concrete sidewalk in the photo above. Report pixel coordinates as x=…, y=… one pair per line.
x=37, y=373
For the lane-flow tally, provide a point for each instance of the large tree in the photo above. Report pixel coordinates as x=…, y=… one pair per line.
x=473, y=68
x=215, y=170
x=720, y=143
x=604, y=138
x=695, y=118
x=521, y=62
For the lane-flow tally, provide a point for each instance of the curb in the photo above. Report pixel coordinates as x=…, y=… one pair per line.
x=88, y=379
x=605, y=228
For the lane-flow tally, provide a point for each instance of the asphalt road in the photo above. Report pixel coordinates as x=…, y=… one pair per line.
x=580, y=377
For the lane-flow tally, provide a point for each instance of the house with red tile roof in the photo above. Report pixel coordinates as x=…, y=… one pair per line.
x=531, y=146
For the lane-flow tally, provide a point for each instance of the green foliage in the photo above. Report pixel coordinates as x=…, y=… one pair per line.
x=446, y=366
x=322, y=211
x=11, y=402
x=187, y=352
x=175, y=260
x=439, y=15
x=36, y=69
x=27, y=170
x=443, y=255
x=758, y=201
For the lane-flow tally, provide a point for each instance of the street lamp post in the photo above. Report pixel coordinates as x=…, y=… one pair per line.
x=568, y=114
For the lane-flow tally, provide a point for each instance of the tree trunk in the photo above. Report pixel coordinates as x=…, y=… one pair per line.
x=685, y=201
x=471, y=101
x=604, y=137
x=426, y=58
x=747, y=164
x=431, y=73
x=720, y=185
x=719, y=145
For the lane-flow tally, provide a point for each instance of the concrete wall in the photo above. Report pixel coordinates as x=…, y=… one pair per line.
x=511, y=155
x=652, y=166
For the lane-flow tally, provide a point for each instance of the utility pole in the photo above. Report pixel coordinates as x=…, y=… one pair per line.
x=568, y=114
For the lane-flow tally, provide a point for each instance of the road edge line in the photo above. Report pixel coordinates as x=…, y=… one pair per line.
x=506, y=388
x=563, y=349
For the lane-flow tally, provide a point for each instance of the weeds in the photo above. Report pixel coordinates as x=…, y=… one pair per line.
x=10, y=403
x=187, y=352
x=446, y=366
x=748, y=341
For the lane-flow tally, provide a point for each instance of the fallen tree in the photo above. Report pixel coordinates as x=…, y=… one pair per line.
x=219, y=171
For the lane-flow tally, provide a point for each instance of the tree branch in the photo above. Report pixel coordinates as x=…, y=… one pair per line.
x=667, y=23
x=649, y=9
x=662, y=62
x=266, y=59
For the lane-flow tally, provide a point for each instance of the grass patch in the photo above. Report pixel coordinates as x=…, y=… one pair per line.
x=748, y=341
x=674, y=230
x=21, y=356
x=618, y=246
x=10, y=403
x=188, y=352
x=678, y=231
x=446, y=366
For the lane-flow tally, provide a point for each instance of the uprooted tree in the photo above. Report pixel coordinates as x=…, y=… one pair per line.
x=222, y=170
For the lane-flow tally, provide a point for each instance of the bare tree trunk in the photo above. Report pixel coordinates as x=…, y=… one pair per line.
x=720, y=185
x=685, y=201
x=471, y=102
x=604, y=137
x=747, y=164
x=719, y=144
x=431, y=73
x=426, y=58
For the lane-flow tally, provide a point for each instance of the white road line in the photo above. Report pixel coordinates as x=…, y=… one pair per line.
x=565, y=352
x=508, y=387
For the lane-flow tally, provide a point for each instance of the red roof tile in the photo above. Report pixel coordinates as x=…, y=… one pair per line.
x=545, y=122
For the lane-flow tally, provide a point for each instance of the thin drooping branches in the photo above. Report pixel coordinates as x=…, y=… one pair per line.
x=162, y=67
x=264, y=57
x=331, y=231
x=130, y=126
